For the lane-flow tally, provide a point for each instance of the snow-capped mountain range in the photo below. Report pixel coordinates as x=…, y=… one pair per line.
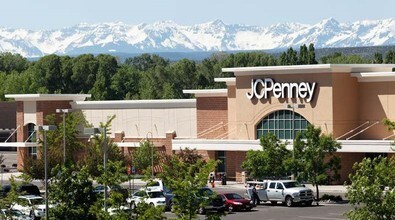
x=168, y=36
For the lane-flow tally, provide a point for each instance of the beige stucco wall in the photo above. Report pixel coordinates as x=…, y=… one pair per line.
x=139, y=122
x=345, y=105
x=377, y=101
x=247, y=113
x=340, y=104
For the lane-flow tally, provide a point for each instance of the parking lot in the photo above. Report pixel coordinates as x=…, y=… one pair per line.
x=323, y=211
x=280, y=212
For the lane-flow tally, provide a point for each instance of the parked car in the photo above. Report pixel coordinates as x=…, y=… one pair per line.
x=288, y=192
x=155, y=184
x=33, y=206
x=114, y=211
x=158, y=185
x=25, y=189
x=215, y=202
x=234, y=201
x=114, y=188
x=260, y=189
x=152, y=197
x=13, y=214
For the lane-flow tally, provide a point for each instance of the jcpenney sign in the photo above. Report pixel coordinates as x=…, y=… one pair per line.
x=261, y=88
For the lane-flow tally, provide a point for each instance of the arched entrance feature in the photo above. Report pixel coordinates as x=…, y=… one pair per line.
x=281, y=123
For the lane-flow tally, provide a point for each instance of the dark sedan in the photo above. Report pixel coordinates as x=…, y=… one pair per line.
x=234, y=201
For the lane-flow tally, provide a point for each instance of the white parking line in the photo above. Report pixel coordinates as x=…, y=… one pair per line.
x=311, y=217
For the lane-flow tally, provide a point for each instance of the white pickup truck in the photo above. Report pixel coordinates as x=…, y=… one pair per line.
x=288, y=192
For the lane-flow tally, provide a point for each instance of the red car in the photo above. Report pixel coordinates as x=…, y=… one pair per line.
x=234, y=201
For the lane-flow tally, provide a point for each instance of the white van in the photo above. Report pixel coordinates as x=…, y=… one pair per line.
x=156, y=185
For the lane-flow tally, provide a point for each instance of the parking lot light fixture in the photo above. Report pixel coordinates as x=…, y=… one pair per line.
x=103, y=131
x=64, y=111
x=152, y=154
x=45, y=128
x=294, y=106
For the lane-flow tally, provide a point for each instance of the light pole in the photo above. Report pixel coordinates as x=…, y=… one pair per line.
x=64, y=111
x=103, y=131
x=152, y=154
x=45, y=128
x=293, y=106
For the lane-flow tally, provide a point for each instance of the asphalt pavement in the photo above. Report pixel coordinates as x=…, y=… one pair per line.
x=324, y=211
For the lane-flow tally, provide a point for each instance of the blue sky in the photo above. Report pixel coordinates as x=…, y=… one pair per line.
x=52, y=14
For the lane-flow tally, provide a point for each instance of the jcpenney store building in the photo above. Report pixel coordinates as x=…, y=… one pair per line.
x=347, y=101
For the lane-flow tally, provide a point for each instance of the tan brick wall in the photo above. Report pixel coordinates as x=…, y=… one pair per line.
x=234, y=159
x=212, y=112
x=168, y=145
x=8, y=114
x=347, y=162
x=45, y=108
x=21, y=134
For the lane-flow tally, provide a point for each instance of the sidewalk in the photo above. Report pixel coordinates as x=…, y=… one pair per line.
x=7, y=176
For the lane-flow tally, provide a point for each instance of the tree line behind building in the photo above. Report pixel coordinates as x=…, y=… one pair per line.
x=147, y=76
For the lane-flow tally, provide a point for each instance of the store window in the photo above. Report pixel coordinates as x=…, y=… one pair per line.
x=31, y=137
x=280, y=123
x=221, y=156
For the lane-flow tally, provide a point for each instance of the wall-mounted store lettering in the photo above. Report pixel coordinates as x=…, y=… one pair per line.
x=262, y=88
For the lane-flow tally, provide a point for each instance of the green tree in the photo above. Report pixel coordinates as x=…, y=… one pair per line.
x=339, y=58
x=145, y=211
x=292, y=56
x=314, y=158
x=389, y=124
x=185, y=178
x=390, y=57
x=12, y=62
x=272, y=161
x=107, y=67
x=148, y=88
x=303, y=57
x=12, y=196
x=67, y=73
x=125, y=83
x=146, y=61
x=283, y=59
x=48, y=70
x=72, y=191
x=113, y=176
x=378, y=58
x=84, y=73
x=312, y=59
x=372, y=189
x=94, y=151
x=35, y=167
x=143, y=157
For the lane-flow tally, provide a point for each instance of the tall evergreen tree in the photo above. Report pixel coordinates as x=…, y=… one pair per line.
x=48, y=70
x=283, y=59
x=303, y=57
x=390, y=57
x=378, y=58
x=107, y=67
x=312, y=59
x=292, y=56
